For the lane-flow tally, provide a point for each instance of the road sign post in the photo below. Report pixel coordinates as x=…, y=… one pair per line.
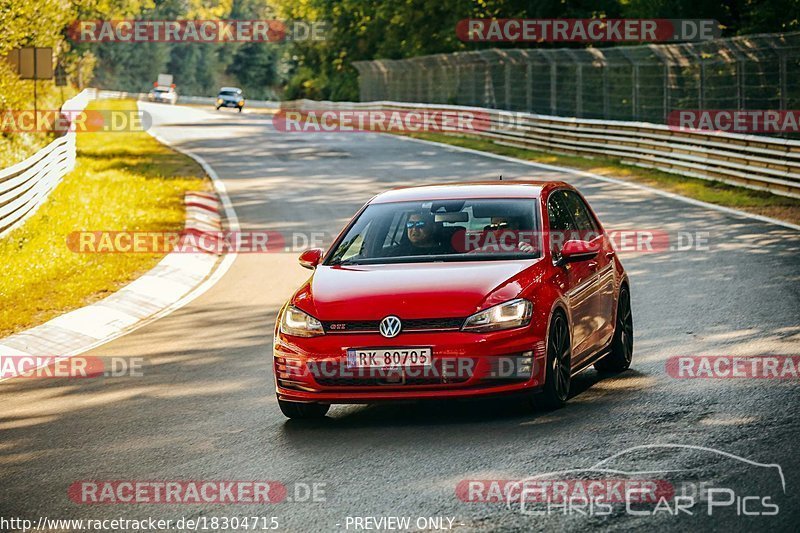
x=31, y=63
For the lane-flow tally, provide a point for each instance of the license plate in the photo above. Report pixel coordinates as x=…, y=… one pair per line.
x=389, y=357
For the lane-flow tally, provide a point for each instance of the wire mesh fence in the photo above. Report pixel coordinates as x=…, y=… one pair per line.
x=631, y=83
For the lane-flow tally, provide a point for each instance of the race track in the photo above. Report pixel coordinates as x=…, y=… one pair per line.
x=205, y=407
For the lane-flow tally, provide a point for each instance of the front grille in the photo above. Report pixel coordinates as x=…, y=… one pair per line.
x=412, y=324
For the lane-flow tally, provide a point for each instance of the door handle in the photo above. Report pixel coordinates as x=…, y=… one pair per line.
x=610, y=254
x=592, y=265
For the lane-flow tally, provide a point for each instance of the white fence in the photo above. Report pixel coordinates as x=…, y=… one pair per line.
x=752, y=161
x=26, y=185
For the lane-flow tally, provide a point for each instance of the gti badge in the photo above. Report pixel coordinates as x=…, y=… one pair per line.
x=390, y=326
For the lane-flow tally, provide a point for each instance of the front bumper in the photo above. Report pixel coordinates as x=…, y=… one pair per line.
x=229, y=103
x=465, y=365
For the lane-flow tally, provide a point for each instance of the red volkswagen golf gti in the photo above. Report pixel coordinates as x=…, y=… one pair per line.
x=455, y=291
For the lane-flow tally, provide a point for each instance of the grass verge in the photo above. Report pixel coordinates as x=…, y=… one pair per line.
x=122, y=181
x=713, y=192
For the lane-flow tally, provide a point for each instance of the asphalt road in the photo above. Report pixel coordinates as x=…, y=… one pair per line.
x=205, y=406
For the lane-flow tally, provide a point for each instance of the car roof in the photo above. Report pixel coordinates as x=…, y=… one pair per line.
x=229, y=89
x=474, y=189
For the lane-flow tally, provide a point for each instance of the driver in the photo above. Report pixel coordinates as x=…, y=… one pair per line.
x=423, y=237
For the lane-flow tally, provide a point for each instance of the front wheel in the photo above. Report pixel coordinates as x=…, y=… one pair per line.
x=240, y=109
x=559, y=366
x=621, y=353
x=297, y=410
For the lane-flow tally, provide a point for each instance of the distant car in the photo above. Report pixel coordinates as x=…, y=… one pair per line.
x=455, y=291
x=230, y=97
x=166, y=95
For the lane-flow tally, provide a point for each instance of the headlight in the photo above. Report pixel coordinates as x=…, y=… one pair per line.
x=219, y=100
x=507, y=315
x=300, y=324
x=241, y=102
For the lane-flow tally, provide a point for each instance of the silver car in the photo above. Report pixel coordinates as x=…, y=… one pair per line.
x=230, y=97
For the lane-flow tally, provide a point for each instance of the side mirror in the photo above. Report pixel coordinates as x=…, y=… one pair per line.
x=311, y=258
x=575, y=251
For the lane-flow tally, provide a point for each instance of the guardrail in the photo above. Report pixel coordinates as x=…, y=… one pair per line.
x=26, y=185
x=752, y=161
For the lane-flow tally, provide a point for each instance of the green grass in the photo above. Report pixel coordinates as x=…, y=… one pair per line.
x=713, y=192
x=122, y=181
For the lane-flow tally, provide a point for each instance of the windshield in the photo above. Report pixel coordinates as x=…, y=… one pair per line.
x=482, y=229
x=229, y=93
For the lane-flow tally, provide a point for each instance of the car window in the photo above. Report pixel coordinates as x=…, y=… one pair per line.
x=579, y=211
x=562, y=225
x=479, y=229
x=558, y=212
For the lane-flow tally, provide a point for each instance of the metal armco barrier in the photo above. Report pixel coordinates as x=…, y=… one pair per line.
x=25, y=186
x=752, y=161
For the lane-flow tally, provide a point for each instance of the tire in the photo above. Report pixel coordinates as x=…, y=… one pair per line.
x=621, y=353
x=217, y=108
x=240, y=109
x=557, y=378
x=297, y=410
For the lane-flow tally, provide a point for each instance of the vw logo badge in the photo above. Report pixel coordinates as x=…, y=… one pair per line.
x=390, y=326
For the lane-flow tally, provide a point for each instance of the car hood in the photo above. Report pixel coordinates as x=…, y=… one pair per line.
x=430, y=290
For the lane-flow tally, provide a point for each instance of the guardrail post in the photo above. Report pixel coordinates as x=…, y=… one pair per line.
x=528, y=87
x=605, y=91
x=740, y=104
x=635, y=95
x=579, y=90
x=507, y=72
x=666, y=92
x=553, y=87
x=457, y=91
x=782, y=74
x=701, y=86
x=473, y=93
